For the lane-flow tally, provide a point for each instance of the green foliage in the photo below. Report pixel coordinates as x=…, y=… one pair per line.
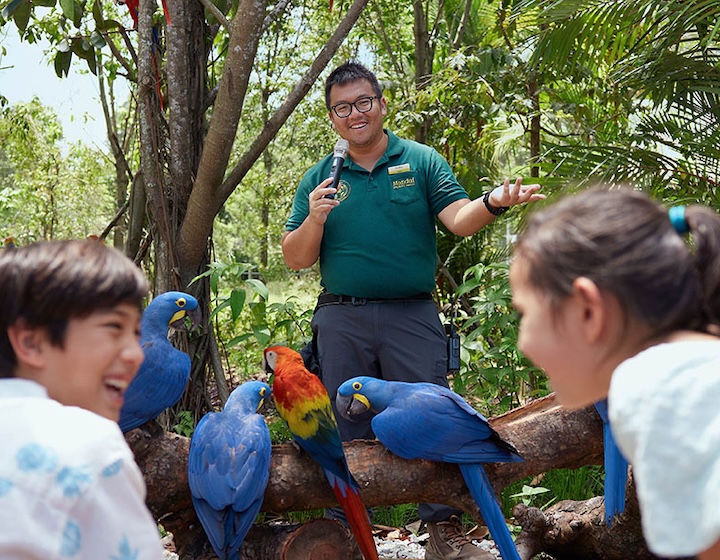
x=185, y=425
x=44, y=192
x=557, y=485
x=528, y=495
x=253, y=321
x=494, y=371
x=395, y=516
x=279, y=432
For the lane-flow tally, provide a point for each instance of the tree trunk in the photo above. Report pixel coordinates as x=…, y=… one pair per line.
x=545, y=434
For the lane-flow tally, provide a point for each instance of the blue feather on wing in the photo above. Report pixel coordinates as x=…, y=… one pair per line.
x=229, y=468
x=427, y=421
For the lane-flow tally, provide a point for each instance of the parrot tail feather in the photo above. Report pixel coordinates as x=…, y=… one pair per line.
x=616, y=474
x=479, y=485
x=358, y=518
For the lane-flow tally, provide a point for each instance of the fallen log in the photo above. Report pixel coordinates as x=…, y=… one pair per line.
x=545, y=434
x=572, y=530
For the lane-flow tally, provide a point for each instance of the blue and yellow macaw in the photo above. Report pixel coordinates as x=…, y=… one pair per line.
x=229, y=468
x=427, y=421
x=303, y=403
x=616, y=468
x=165, y=371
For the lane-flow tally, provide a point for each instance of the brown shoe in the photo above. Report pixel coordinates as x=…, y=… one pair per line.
x=448, y=542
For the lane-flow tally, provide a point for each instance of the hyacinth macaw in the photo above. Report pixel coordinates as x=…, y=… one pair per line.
x=427, y=421
x=229, y=467
x=165, y=371
x=616, y=468
x=303, y=403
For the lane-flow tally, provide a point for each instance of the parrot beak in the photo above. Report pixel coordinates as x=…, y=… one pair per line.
x=269, y=361
x=178, y=320
x=349, y=407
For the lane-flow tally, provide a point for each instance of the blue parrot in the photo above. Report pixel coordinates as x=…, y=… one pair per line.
x=427, y=421
x=229, y=467
x=165, y=371
x=616, y=468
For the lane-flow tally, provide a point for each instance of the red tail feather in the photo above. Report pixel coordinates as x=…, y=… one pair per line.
x=359, y=521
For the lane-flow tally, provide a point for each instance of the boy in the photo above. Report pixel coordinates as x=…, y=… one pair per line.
x=69, y=347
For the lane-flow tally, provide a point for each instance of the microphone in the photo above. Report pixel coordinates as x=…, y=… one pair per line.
x=341, y=149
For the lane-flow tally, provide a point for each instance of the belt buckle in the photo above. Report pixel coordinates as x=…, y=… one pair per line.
x=358, y=300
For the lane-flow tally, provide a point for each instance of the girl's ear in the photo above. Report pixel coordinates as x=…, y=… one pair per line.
x=591, y=307
x=27, y=342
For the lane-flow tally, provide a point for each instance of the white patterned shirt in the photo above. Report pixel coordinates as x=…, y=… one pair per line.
x=664, y=406
x=69, y=485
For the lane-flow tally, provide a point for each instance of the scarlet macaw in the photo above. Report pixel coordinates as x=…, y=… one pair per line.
x=165, y=371
x=303, y=403
x=229, y=468
x=616, y=468
x=428, y=421
x=132, y=6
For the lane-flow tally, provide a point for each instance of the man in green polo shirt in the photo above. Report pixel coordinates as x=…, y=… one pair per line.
x=375, y=239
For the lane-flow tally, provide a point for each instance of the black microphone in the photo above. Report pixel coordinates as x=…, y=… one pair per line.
x=341, y=149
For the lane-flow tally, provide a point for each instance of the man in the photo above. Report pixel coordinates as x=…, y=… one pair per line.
x=375, y=238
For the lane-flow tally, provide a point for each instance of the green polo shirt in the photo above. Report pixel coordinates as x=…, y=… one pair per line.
x=379, y=242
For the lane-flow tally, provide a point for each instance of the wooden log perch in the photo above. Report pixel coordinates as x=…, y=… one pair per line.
x=572, y=530
x=545, y=434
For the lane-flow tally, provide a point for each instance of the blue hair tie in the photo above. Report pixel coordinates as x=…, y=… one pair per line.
x=677, y=219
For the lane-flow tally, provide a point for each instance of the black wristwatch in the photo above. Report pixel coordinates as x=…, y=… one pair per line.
x=495, y=211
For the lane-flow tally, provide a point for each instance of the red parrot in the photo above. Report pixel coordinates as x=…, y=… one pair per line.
x=303, y=403
x=133, y=8
x=156, y=47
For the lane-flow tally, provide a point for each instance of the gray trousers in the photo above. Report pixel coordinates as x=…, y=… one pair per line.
x=395, y=341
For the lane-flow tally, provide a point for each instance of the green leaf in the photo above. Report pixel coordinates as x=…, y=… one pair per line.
x=21, y=15
x=260, y=287
x=98, y=15
x=219, y=308
x=262, y=334
x=11, y=7
x=68, y=9
x=62, y=63
x=237, y=300
x=92, y=62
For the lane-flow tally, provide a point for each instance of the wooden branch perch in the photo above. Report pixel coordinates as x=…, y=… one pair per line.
x=545, y=434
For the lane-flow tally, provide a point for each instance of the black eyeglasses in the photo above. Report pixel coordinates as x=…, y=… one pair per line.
x=363, y=105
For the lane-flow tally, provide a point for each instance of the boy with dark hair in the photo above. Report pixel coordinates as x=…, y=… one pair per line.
x=69, y=347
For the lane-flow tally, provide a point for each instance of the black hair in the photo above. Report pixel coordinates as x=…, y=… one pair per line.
x=624, y=242
x=47, y=283
x=349, y=72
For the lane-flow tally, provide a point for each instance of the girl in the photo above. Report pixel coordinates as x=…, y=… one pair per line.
x=615, y=304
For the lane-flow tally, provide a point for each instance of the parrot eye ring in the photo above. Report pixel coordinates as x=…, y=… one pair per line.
x=357, y=385
x=262, y=391
x=181, y=302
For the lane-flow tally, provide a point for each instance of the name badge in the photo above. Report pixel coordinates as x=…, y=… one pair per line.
x=395, y=169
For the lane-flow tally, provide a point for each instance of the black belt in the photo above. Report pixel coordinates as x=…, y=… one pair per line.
x=326, y=298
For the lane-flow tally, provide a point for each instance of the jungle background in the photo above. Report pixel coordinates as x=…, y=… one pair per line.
x=227, y=112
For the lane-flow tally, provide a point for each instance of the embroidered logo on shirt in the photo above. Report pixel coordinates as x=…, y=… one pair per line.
x=343, y=191
x=402, y=168
x=404, y=182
